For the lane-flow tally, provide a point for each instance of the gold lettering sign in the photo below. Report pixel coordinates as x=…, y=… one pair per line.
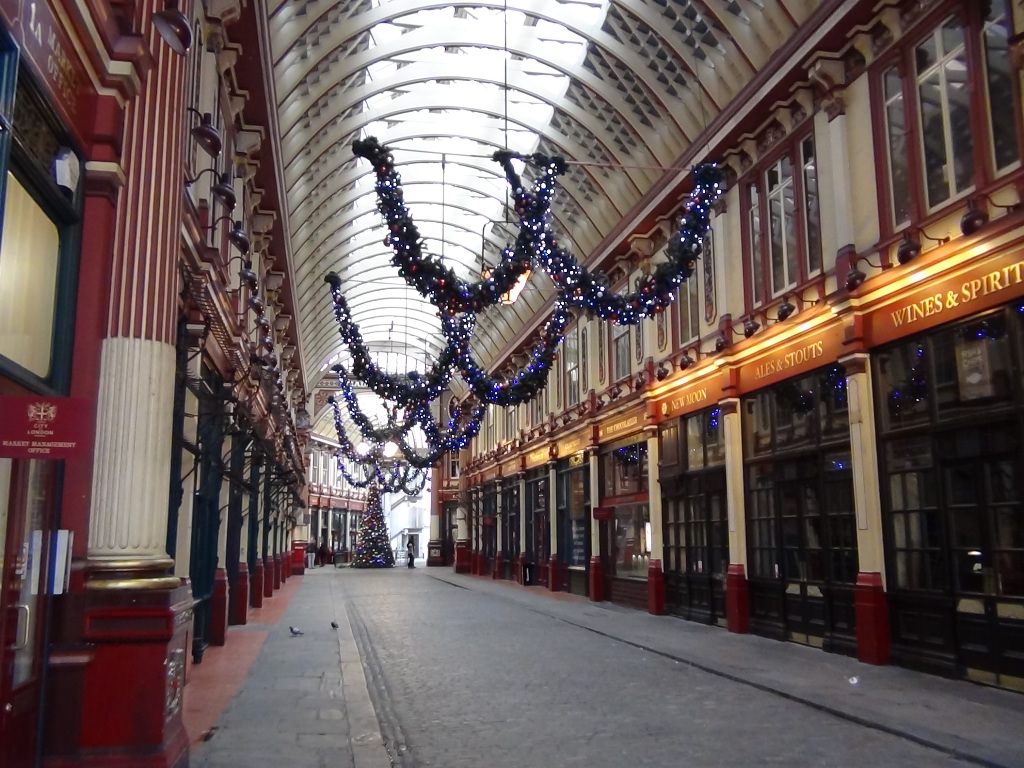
x=805, y=353
x=621, y=427
x=48, y=47
x=691, y=398
x=566, y=447
x=947, y=300
x=577, y=459
x=537, y=456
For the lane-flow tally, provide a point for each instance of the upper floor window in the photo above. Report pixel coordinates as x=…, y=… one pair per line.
x=584, y=361
x=453, y=467
x=622, y=362
x=571, y=359
x=511, y=422
x=491, y=418
x=931, y=132
x=689, y=307
x=538, y=408
x=783, y=222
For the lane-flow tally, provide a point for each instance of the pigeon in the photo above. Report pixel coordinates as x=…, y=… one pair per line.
x=209, y=734
x=295, y=631
x=334, y=625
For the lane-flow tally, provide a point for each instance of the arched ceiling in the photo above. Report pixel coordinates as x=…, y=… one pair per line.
x=619, y=89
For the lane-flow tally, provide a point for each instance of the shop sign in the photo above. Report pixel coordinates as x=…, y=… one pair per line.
x=43, y=427
x=577, y=459
x=983, y=286
x=47, y=46
x=802, y=354
x=622, y=426
x=510, y=468
x=692, y=397
x=570, y=445
x=537, y=456
x=489, y=474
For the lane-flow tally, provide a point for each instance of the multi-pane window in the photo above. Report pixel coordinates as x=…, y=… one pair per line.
x=511, y=422
x=937, y=149
x=538, y=408
x=784, y=222
x=584, y=361
x=622, y=364
x=689, y=308
x=491, y=419
x=571, y=360
x=944, y=99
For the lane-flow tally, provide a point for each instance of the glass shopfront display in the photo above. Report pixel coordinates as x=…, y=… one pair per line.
x=951, y=424
x=626, y=537
x=537, y=544
x=801, y=531
x=510, y=525
x=573, y=505
x=489, y=528
x=696, y=534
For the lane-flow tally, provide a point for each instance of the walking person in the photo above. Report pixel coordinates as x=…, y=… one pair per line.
x=410, y=548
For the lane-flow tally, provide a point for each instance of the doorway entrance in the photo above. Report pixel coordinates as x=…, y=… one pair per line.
x=27, y=504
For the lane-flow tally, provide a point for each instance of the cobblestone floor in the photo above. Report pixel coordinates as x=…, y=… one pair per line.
x=429, y=669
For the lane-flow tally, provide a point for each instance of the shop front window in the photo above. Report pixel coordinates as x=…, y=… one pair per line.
x=632, y=540
x=625, y=470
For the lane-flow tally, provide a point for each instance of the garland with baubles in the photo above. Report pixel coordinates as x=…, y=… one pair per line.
x=537, y=246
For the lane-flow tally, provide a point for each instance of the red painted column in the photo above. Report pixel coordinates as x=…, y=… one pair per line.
x=277, y=571
x=268, y=576
x=520, y=569
x=126, y=606
x=256, y=587
x=655, y=588
x=874, y=641
x=219, y=608
x=553, y=574
x=238, y=596
x=596, y=579
x=463, y=557
x=498, y=570
x=737, y=600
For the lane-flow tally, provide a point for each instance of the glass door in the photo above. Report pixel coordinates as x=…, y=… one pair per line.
x=26, y=512
x=981, y=482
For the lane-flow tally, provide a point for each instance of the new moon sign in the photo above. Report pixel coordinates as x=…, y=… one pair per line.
x=43, y=427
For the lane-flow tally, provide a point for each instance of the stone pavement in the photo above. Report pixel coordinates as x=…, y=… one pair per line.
x=429, y=668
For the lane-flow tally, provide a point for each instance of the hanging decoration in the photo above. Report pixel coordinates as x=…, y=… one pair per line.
x=463, y=425
x=385, y=459
x=537, y=245
x=428, y=274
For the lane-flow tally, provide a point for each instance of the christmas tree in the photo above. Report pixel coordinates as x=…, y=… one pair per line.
x=374, y=547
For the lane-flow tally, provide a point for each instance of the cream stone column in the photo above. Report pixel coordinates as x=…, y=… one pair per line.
x=654, y=495
x=499, y=540
x=737, y=599
x=554, y=579
x=189, y=474
x=870, y=602
x=595, y=499
x=131, y=464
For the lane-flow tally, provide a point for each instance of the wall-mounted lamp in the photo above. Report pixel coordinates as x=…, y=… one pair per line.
x=910, y=248
x=721, y=343
x=750, y=327
x=856, y=276
x=684, y=361
x=236, y=235
x=785, y=310
x=205, y=134
x=256, y=305
x=173, y=27
x=662, y=372
x=223, y=192
x=975, y=217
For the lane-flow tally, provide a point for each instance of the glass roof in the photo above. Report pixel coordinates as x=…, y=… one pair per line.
x=619, y=89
